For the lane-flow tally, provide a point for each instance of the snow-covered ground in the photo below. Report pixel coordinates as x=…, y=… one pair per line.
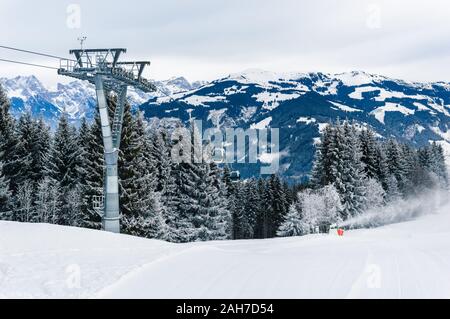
x=405, y=260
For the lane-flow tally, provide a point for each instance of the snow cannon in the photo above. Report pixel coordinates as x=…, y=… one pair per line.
x=336, y=230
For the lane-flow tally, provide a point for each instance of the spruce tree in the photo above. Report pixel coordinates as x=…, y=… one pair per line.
x=63, y=166
x=261, y=216
x=240, y=222
x=382, y=173
x=325, y=157
x=142, y=216
x=396, y=164
x=160, y=157
x=177, y=227
x=8, y=143
x=128, y=173
x=439, y=166
x=90, y=171
x=251, y=205
x=24, y=208
x=351, y=188
x=6, y=203
x=25, y=149
x=368, y=146
x=48, y=201
x=39, y=140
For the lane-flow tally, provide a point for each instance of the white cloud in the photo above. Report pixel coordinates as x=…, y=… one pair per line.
x=204, y=39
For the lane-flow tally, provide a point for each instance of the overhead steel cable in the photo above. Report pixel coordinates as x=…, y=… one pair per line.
x=29, y=64
x=36, y=53
x=40, y=54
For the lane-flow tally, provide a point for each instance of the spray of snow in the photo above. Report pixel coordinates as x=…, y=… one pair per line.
x=401, y=210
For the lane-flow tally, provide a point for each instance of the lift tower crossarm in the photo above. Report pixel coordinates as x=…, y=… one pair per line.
x=102, y=68
x=139, y=65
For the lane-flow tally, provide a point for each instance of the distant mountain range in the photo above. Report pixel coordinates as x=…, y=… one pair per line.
x=300, y=105
x=76, y=98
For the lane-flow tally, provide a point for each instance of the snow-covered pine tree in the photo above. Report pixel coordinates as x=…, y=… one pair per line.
x=290, y=195
x=174, y=225
x=181, y=195
x=64, y=154
x=74, y=204
x=212, y=217
x=293, y=224
x=369, y=158
x=330, y=213
x=312, y=207
x=223, y=218
x=82, y=144
x=230, y=189
x=346, y=170
x=251, y=206
x=6, y=202
x=392, y=191
x=8, y=142
x=177, y=227
x=41, y=141
x=90, y=171
x=193, y=192
x=160, y=157
x=353, y=192
x=143, y=207
x=411, y=164
x=63, y=165
x=24, y=208
x=375, y=194
x=430, y=170
x=424, y=157
x=25, y=149
x=322, y=173
x=381, y=167
x=241, y=225
x=47, y=204
x=226, y=179
x=130, y=153
x=199, y=202
x=439, y=166
x=262, y=211
x=274, y=207
x=396, y=164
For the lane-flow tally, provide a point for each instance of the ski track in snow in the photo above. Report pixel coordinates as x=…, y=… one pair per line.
x=405, y=260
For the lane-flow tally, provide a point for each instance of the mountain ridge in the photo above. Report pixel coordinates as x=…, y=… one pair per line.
x=299, y=104
x=302, y=104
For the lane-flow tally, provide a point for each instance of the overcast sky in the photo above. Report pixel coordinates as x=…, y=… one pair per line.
x=208, y=39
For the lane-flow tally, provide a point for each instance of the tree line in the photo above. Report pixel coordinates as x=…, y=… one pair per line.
x=355, y=172
x=54, y=177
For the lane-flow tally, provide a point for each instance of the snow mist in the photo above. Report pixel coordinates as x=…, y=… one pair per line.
x=401, y=210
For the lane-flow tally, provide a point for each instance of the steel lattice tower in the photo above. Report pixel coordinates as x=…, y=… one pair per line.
x=102, y=68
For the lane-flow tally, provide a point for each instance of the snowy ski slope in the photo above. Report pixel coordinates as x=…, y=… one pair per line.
x=405, y=260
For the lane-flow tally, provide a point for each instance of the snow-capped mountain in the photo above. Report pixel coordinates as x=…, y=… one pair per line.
x=77, y=98
x=301, y=105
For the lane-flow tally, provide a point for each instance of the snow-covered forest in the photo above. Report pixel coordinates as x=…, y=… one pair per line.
x=52, y=177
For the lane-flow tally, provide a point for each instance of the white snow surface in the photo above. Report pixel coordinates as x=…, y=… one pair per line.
x=405, y=260
x=271, y=100
x=380, y=112
x=262, y=124
x=306, y=120
x=345, y=108
x=197, y=100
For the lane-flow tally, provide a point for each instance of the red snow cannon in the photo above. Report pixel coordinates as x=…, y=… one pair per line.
x=340, y=232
